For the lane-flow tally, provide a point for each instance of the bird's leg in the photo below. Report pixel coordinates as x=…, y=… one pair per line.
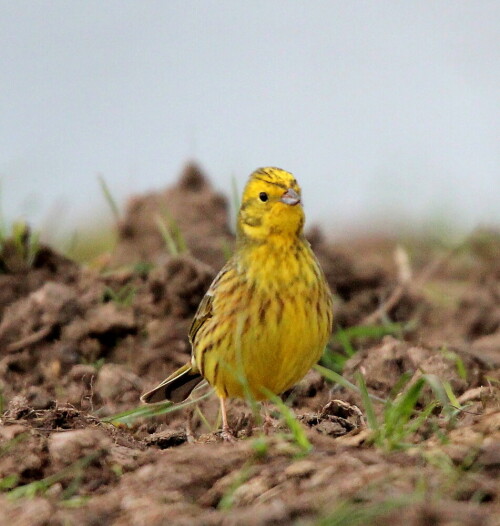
x=227, y=435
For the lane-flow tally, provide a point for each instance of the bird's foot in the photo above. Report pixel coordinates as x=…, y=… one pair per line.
x=227, y=434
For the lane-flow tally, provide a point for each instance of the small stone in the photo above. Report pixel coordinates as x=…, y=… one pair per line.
x=29, y=512
x=472, y=394
x=166, y=439
x=489, y=455
x=82, y=373
x=300, y=468
x=115, y=380
x=9, y=432
x=68, y=446
x=38, y=398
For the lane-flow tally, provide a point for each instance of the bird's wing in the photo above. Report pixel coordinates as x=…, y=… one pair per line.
x=205, y=308
x=203, y=313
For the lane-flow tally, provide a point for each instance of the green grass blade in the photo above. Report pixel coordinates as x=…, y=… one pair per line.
x=235, y=196
x=459, y=364
x=371, y=331
x=370, y=411
x=33, y=248
x=349, y=513
x=415, y=424
x=435, y=383
x=178, y=243
x=461, y=369
x=5, y=447
x=334, y=377
x=227, y=500
x=298, y=432
x=399, y=385
x=399, y=412
x=345, y=340
x=109, y=198
x=169, y=240
x=334, y=360
x=451, y=395
x=398, y=423
x=150, y=411
x=41, y=486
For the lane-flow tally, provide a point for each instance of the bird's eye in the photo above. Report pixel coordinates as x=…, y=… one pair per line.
x=263, y=197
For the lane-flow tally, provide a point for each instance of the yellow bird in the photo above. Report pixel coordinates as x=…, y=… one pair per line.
x=267, y=315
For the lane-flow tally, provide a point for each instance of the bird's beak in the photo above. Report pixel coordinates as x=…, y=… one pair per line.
x=290, y=197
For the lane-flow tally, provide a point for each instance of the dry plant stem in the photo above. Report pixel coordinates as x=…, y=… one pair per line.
x=29, y=340
x=387, y=305
x=415, y=286
x=227, y=435
x=189, y=426
x=267, y=426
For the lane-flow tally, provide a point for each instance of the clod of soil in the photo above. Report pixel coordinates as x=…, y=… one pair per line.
x=191, y=207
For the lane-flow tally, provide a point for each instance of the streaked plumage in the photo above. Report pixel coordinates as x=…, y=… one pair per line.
x=267, y=316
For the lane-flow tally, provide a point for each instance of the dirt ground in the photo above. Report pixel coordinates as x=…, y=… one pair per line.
x=79, y=343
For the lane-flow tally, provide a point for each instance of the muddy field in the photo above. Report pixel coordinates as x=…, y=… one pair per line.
x=80, y=343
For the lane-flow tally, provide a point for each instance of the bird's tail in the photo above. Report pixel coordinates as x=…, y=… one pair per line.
x=176, y=388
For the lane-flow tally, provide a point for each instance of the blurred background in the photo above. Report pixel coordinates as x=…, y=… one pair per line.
x=387, y=112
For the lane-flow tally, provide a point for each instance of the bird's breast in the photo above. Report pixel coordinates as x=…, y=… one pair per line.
x=273, y=320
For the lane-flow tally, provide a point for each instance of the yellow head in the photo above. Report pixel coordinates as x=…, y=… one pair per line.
x=271, y=206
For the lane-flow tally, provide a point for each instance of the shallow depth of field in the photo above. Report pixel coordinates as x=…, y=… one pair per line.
x=399, y=423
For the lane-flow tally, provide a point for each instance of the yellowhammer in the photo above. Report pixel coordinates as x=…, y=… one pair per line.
x=267, y=316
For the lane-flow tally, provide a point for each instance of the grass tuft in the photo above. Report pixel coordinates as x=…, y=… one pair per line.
x=19, y=248
x=401, y=418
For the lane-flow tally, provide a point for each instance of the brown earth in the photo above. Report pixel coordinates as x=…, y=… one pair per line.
x=81, y=343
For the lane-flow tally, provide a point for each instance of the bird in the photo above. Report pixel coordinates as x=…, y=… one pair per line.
x=267, y=316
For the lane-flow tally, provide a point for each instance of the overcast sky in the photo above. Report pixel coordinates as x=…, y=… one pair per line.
x=384, y=110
